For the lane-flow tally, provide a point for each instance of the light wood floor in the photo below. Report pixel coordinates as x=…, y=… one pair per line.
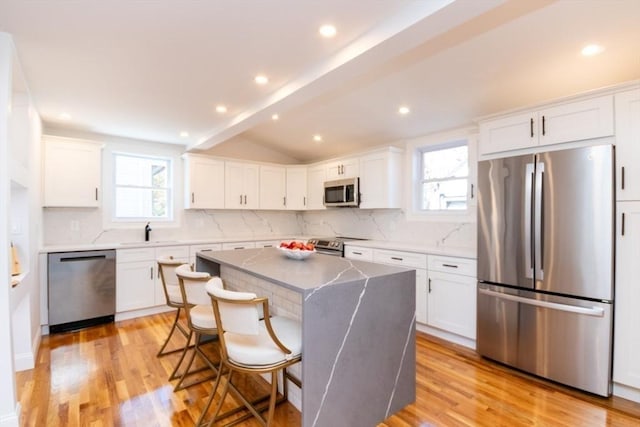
x=109, y=376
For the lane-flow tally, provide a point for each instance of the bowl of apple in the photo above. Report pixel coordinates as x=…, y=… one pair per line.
x=297, y=250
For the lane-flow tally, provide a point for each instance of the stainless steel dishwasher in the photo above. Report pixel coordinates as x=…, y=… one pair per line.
x=82, y=289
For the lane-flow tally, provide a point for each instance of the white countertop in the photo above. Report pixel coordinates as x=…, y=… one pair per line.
x=156, y=243
x=457, y=251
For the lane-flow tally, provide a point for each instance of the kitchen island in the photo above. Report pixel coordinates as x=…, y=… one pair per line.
x=358, y=329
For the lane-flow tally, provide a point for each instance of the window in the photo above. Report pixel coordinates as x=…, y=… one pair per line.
x=443, y=179
x=142, y=188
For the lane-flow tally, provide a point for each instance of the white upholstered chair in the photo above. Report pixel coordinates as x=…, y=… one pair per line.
x=200, y=319
x=251, y=345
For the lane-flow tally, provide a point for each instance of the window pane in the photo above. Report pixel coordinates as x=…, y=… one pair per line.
x=446, y=163
x=141, y=203
x=141, y=172
x=445, y=195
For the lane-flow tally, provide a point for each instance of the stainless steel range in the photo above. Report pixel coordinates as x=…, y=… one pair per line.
x=331, y=245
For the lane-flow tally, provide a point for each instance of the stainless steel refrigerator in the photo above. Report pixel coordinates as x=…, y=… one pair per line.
x=545, y=264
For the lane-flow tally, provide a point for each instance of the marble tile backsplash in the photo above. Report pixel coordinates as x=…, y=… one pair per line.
x=64, y=226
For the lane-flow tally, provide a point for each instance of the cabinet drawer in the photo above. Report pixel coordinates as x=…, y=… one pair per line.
x=463, y=266
x=135, y=255
x=174, y=251
x=355, y=252
x=267, y=244
x=194, y=249
x=405, y=259
x=237, y=245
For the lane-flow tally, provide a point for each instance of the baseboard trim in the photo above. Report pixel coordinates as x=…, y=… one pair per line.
x=448, y=336
x=11, y=419
x=626, y=392
x=144, y=312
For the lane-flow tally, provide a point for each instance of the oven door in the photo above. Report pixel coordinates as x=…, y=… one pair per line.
x=331, y=252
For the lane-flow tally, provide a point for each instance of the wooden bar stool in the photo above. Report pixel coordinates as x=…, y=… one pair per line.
x=200, y=320
x=251, y=345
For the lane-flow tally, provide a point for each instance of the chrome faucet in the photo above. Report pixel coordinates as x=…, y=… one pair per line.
x=147, y=229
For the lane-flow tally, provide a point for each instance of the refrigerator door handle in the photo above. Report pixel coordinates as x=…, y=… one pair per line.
x=528, y=198
x=588, y=311
x=539, y=222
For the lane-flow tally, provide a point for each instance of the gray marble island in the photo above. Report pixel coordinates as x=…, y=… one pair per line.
x=358, y=326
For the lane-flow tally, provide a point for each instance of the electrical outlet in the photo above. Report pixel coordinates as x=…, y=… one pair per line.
x=75, y=225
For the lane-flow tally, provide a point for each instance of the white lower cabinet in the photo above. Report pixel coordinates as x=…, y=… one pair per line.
x=626, y=351
x=452, y=295
x=138, y=284
x=194, y=249
x=267, y=243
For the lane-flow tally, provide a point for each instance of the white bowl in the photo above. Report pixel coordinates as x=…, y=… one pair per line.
x=297, y=253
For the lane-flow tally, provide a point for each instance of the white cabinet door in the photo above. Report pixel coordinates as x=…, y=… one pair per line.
x=421, y=295
x=626, y=352
x=72, y=172
x=204, y=183
x=381, y=180
x=297, y=188
x=507, y=133
x=591, y=118
x=273, y=191
x=343, y=168
x=356, y=252
x=452, y=303
x=180, y=253
x=135, y=285
x=628, y=145
x=267, y=243
x=316, y=177
x=241, y=185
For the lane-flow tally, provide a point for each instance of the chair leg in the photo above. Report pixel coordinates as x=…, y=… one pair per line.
x=274, y=395
x=174, y=326
x=211, y=396
x=225, y=390
x=196, y=350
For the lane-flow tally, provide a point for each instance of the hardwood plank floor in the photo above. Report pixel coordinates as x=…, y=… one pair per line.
x=109, y=376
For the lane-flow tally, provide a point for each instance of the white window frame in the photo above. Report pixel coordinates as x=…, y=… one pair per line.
x=169, y=188
x=140, y=149
x=413, y=179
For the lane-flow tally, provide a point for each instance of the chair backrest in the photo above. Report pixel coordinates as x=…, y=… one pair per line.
x=167, y=267
x=236, y=312
x=192, y=285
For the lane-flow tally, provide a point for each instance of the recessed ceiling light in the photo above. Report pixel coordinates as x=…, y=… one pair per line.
x=64, y=116
x=184, y=134
x=261, y=79
x=275, y=117
x=221, y=109
x=317, y=138
x=327, y=31
x=592, y=49
x=404, y=110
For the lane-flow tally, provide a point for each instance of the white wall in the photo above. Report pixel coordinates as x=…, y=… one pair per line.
x=9, y=410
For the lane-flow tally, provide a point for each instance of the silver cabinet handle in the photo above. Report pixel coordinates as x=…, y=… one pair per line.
x=193, y=197
x=472, y=191
x=356, y=253
x=96, y=194
x=284, y=201
x=151, y=273
x=396, y=258
x=544, y=131
x=622, y=225
x=304, y=201
x=622, y=179
x=531, y=126
x=589, y=311
x=429, y=284
x=450, y=265
x=245, y=199
x=241, y=199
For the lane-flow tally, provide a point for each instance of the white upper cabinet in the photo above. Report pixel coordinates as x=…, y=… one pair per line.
x=381, y=179
x=575, y=121
x=628, y=145
x=273, y=190
x=343, y=168
x=316, y=176
x=296, y=188
x=72, y=172
x=204, y=182
x=241, y=185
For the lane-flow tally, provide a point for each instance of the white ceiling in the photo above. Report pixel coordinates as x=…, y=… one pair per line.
x=151, y=69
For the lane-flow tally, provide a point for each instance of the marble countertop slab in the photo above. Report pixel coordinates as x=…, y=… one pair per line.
x=305, y=276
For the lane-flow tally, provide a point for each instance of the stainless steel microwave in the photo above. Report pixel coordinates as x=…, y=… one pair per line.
x=342, y=192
